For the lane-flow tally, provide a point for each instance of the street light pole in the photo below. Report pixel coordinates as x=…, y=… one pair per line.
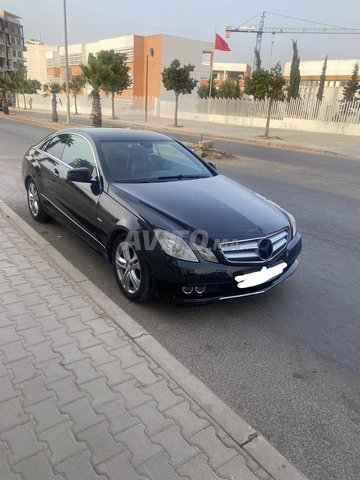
x=151, y=53
x=66, y=66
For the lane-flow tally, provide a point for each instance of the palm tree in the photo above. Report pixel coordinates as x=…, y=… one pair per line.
x=76, y=84
x=53, y=89
x=97, y=74
x=5, y=88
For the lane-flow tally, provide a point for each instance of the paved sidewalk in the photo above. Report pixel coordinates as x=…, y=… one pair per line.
x=345, y=145
x=81, y=398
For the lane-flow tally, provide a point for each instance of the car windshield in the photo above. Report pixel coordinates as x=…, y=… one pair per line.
x=150, y=161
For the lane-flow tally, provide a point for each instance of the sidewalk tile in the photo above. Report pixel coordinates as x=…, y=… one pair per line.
x=120, y=468
x=79, y=467
x=188, y=421
x=82, y=414
x=99, y=392
x=117, y=416
x=12, y=414
x=163, y=396
x=83, y=371
x=22, y=369
x=132, y=394
x=14, y=351
x=158, y=468
x=174, y=444
x=198, y=469
x=139, y=445
x=5, y=471
x=35, y=468
x=7, y=390
x=143, y=374
x=61, y=441
x=237, y=469
x=101, y=444
x=65, y=390
x=22, y=442
x=153, y=420
x=53, y=370
x=46, y=414
x=34, y=390
x=114, y=373
x=213, y=448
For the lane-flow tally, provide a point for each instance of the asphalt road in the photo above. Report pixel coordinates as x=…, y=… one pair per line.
x=288, y=361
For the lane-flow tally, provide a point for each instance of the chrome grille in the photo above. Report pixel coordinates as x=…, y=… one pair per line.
x=248, y=250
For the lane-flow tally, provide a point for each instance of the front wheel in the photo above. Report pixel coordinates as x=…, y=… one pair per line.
x=132, y=273
x=35, y=206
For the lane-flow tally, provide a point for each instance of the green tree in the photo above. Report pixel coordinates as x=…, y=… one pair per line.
x=53, y=89
x=76, y=84
x=5, y=88
x=266, y=85
x=32, y=86
x=120, y=79
x=229, y=89
x=97, y=74
x=257, y=60
x=320, y=92
x=352, y=86
x=178, y=79
x=204, y=90
x=295, y=77
x=19, y=80
x=237, y=92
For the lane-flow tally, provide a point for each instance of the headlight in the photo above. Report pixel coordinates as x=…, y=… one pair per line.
x=292, y=223
x=175, y=246
x=205, y=252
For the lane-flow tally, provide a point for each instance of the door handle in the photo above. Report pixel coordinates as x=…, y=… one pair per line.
x=56, y=172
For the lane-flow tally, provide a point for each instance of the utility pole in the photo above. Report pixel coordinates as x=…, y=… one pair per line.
x=66, y=67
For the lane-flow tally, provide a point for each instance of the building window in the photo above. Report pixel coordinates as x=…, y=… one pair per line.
x=15, y=65
x=14, y=53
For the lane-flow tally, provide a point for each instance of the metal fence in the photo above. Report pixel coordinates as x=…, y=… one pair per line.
x=325, y=111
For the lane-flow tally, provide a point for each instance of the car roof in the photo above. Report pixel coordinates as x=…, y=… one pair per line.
x=103, y=134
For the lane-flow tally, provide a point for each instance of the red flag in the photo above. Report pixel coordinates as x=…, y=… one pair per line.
x=220, y=44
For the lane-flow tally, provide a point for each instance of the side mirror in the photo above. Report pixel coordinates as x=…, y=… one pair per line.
x=81, y=174
x=213, y=165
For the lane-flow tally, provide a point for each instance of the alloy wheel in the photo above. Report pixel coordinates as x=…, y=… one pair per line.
x=128, y=267
x=33, y=199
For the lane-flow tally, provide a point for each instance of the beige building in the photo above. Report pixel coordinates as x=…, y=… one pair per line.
x=46, y=63
x=338, y=72
x=11, y=41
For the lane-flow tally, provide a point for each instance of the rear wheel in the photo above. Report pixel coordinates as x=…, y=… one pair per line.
x=35, y=206
x=131, y=271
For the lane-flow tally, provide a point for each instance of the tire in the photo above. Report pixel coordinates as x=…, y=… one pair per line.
x=34, y=203
x=131, y=271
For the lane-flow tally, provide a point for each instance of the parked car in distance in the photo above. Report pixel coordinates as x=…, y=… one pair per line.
x=169, y=222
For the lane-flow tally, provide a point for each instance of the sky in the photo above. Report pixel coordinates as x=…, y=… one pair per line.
x=92, y=20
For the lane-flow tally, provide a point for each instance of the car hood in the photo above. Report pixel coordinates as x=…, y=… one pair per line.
x=217, y=205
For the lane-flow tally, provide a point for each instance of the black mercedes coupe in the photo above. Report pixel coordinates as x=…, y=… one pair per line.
x=169, y=222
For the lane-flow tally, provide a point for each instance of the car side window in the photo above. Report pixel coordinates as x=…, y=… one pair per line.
x=55, y=145
x=78, y=153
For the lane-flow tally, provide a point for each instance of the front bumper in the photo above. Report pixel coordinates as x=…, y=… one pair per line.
x=218, y=278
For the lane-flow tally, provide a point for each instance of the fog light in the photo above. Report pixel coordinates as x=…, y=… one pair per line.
x=187, y=290
x=200, y=290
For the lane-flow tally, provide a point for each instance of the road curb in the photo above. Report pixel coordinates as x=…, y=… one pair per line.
x=168, y=129
x=237, y=428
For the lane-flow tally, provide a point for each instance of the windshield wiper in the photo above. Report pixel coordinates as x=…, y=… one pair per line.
x=181, y=177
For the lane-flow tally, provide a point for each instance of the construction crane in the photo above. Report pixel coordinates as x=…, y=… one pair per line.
x=333, y=30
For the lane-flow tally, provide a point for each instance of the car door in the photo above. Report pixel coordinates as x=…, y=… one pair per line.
x=78, y=201
x=48, y=157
